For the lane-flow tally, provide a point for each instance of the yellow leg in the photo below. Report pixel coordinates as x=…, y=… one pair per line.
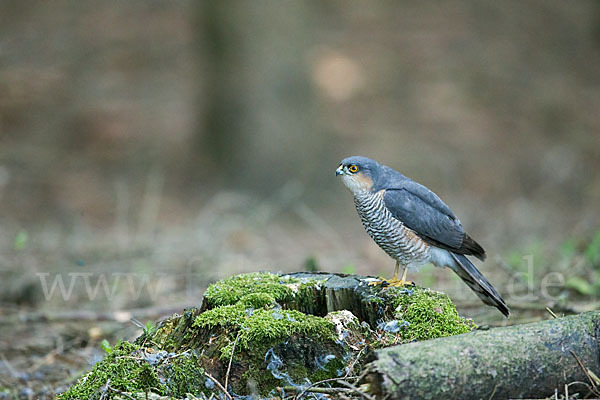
x=394, y=281
x=404, y=275
x=395, y=277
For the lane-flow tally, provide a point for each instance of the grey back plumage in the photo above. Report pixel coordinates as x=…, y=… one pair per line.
x=422, y=211
x=424, y=217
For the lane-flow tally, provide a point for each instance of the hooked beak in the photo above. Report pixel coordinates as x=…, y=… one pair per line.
x=339, y=171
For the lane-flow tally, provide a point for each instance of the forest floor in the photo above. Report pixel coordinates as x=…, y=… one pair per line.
x=57, y=306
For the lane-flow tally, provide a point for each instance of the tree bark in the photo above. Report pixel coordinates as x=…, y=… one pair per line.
x=521, y=361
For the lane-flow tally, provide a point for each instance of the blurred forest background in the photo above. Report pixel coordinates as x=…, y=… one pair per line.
x=181, y=142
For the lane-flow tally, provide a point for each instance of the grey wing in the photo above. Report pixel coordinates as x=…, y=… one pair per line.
x=425, y=213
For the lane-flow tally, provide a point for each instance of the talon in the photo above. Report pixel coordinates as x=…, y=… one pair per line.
x=392, y=282
x=399, y=282
x=381, y=281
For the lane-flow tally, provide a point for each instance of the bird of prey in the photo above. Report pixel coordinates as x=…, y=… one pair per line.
x=413, y=225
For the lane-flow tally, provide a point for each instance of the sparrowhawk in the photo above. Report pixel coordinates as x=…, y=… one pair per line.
x=413, y=225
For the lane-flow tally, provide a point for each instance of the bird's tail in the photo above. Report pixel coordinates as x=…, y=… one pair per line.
x=472, y=277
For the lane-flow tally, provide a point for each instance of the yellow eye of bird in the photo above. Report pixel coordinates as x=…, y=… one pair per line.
x=353, y=168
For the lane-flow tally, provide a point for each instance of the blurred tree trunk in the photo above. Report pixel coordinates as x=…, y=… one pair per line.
x=222, y=114
x=257, y=117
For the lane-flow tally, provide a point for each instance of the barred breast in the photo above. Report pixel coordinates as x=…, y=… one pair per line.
x=397, y=240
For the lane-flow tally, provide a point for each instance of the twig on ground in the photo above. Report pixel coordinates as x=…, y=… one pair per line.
x=350, y=368
x=136, y=322
x=357, y=390
x=587, y=374
x=333, y=390
x=231, y=360
x=551, y=312
x=177, y=355
x=312, y=385
x=589, y=388
x=105, y=389
x=216, y=382
x=361, y=376
x=493, y=392
x=119, y=391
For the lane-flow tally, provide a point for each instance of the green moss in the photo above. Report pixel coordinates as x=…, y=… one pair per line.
x=184, y=375
x=129, y=371
x=230, y=291
x=257, y=300
x=328, y=369
x=174, y=334
x=263, y=327
x=245, y=303
x=428, y=314
x=375, y=300
x=274, y=326
x=126, y=370
x=224, y=316
x=246, y=310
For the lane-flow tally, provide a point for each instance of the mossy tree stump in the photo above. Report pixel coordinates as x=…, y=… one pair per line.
x=258, y=332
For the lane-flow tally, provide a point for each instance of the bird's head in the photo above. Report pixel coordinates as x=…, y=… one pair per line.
x=358, y=173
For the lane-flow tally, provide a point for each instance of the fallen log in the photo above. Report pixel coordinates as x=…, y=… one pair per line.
x=521, y=361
